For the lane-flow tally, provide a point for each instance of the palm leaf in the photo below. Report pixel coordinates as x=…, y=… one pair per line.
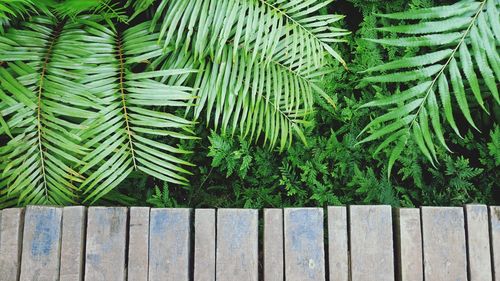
x=459, y=63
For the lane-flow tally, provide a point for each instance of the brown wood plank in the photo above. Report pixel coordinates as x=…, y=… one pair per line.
x=409, y=244
x=41, y=244
x=237, y=245
x=138, y=244
x=371, y=242
x=478, y=243
x=495, y=240
x=304, y=244
x=169, y=244
x=204, y=245
x=338, y=252
x=106, y=244
x=444, y=243
x=273, y=245
x=11, y=233
x=73, y=243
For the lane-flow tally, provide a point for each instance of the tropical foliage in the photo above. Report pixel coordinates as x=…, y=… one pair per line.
x=458, y=60
x=249, y=103
x=87, y=99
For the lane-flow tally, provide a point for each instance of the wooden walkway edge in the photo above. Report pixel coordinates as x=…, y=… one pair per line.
x=354, y=243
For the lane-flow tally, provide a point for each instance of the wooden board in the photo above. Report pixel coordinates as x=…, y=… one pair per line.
x=11, y=233
x=169, y=244
x=138, y=244
x=237, y=245
x=444, y=247
x=478, y=243
x=372, y=256
x=106, y=244
x=304, y=244
x=41, y=244
x=273, y=245
x=495, y=240
x=73, y=243
x=409, y=245
x=204, y=245
x=338, y=252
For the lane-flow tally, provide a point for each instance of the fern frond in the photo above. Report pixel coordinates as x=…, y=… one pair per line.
x=42, y=104
x=123, y=138
x=459, y=46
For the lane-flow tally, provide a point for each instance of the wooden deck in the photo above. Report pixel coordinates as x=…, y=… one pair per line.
x=358, y=243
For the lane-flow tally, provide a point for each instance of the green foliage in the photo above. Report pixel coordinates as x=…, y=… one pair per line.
x=448, y=38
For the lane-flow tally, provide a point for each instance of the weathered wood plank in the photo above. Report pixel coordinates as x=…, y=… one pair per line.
x=495, y=240
x=138, y=244
x=106, y=244
x=372, y=256
x=204, y=245
x=478, y=243
x=444, y=247
x=409, y=244
x=11, y=233
x=273, y=245
x=73, y=243
x=41, y=244
x=237, y=245
x=338, y=244
x=304, y=244
x=169, y=244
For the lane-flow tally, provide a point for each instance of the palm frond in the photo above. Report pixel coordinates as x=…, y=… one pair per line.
x=42, y=104
x=245, y=49
x=458, y=46
x=135, y=111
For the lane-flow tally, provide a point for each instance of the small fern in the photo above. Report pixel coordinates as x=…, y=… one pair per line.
x=458, y=46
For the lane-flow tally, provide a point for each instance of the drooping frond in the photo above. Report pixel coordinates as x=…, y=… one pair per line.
x=245, y=49
x=41, y=104
x=458, y=65
x=124, y=137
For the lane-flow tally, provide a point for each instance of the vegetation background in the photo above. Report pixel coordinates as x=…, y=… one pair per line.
x=230, y=171
x=332, y=170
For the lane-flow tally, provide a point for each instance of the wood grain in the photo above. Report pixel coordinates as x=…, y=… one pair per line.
x=73, y=243
x=372, y=256
x=106, y=244
x=445, y=254
x=338, y=252
x=11, y=234
x=237, y=245
x=169, y=244
x=138, y=244
x=273, y=245
x=495, y=240
x=304, y=244
x=204, y=245
x=409, y=244
x=41, y=244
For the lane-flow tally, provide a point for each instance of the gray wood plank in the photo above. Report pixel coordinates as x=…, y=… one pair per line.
x=106, y=244
x=41, y=244
x=409, y=244
x=495, y=240
x=138, y=244
x=169, y=244
x=478, y=243
x=273, y=245
x=444, y=247
x=371, y=241
x=73, y=243
x=11, y=233
x=204, y=245
x=338, y=252
x=237, y=245
x=304, y=244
